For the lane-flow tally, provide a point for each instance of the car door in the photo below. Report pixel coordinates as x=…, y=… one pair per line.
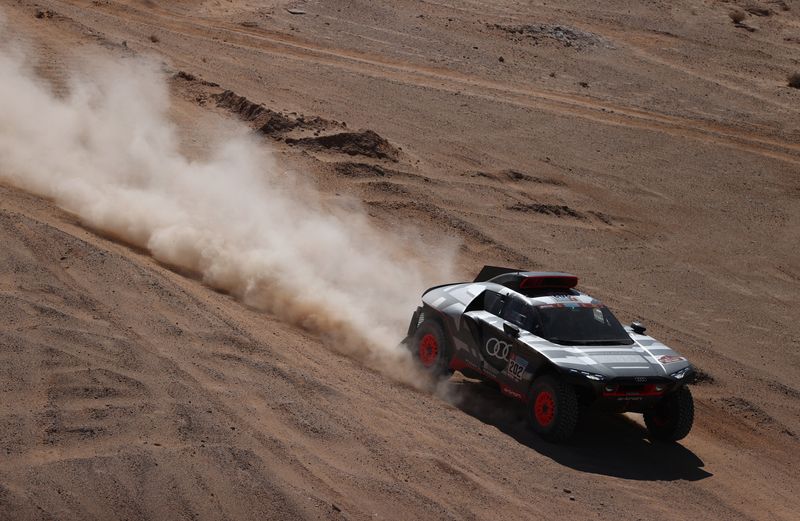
x=498, y=322
x=498, y=341
x=519, y=317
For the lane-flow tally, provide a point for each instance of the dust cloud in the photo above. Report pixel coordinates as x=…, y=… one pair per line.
x=107, y=152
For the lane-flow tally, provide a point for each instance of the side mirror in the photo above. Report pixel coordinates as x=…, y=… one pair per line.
x=511, y=330
x=638, y=328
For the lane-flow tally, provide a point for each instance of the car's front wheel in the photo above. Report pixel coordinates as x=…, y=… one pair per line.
x=671, y=419
x=429, y=347
x=553, y=408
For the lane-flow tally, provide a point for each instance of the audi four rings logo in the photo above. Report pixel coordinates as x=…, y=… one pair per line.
x=498, y=348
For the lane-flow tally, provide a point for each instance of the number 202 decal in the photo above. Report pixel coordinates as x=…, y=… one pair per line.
x=502, y=350
x=516, y=367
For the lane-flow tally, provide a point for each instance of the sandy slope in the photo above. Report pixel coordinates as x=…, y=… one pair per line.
x=669, y=183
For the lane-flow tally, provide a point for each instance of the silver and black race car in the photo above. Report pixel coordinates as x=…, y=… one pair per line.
x=553, y=347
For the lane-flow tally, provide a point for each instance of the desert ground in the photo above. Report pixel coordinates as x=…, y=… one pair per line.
x=651, y=148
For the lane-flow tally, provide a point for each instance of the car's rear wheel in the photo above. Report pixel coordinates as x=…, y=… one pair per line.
x=430, y=348
x=553, y=408
x=671, y=419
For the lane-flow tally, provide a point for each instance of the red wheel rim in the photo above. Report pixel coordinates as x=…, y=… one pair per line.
x=428, y=349
x=544, y=408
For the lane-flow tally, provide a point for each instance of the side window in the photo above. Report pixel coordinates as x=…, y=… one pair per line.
x=493, y=302
x=518, y=313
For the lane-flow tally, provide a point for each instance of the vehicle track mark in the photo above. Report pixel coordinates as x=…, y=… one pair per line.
x=584, y=107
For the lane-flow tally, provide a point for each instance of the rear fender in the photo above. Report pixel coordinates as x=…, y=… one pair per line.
x=415, y=322
x=427, y=312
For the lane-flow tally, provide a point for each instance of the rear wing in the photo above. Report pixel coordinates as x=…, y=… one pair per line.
x=490, y=272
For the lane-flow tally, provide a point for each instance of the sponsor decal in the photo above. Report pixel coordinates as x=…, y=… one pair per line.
x=510, y=392
x=498, y=349
x=668, y=359
x=516, y=367
x=569, y=302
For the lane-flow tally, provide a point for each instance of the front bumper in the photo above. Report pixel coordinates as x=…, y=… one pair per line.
x=635, y=394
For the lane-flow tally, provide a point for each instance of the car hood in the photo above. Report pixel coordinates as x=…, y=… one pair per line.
x=645, y=357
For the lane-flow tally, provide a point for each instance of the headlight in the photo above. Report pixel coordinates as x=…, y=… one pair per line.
x=590, y=376
x=680, y=374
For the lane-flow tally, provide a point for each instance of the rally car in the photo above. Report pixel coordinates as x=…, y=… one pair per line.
x=554, y=348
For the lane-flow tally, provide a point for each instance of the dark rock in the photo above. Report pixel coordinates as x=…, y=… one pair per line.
x=758, y=10
x=361, y=170
x=702, y=378
x=566, y=36
x=364, y=142
x=185, y=76
x=548, y=209
x=268, y=121
x=246, y=109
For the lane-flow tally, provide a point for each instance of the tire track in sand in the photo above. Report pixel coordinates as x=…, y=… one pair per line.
x=564, y=104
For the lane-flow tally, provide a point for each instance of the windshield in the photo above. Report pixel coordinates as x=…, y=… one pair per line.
x=580, y=325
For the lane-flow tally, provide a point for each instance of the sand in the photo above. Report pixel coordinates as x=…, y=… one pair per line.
x=650, y=148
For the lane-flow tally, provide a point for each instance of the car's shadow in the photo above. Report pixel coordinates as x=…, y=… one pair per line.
x=609, y=444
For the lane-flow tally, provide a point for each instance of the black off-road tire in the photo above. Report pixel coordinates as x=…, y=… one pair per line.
x=553, y=408
x=671, y=419
x=431, y=349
